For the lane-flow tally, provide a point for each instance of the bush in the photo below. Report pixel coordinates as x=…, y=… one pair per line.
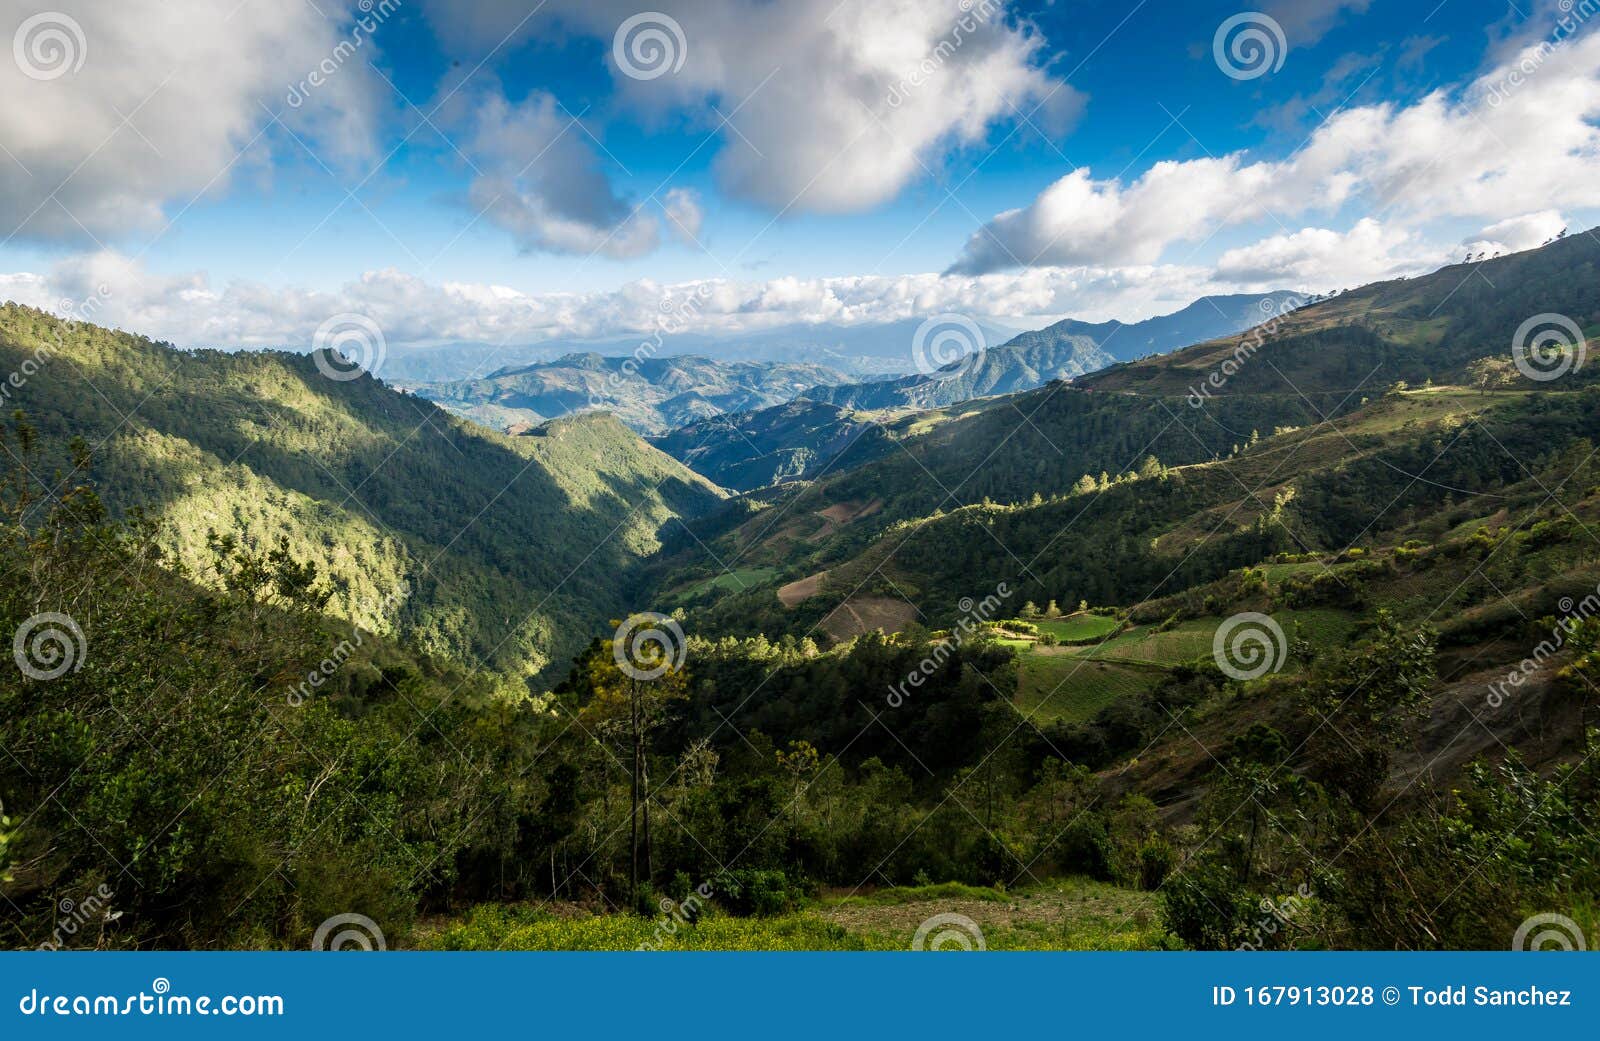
x=1207, y=908
x=752, y=891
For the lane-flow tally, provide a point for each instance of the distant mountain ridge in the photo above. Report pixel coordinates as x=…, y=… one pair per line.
x=862, y=349
x=650, y=395
x=1066, y=350
x=751, y=450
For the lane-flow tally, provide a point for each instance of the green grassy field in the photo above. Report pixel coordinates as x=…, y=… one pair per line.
x=1184, y=642
x=1067, y=687
x=1073, y=683
x=1068, y=914
x=1082, y=626
x=1192, y=640
x=496, y=927
x=1061, y=915
x=735, y=581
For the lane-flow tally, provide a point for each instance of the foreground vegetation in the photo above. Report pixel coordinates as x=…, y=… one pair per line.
x=233, y=754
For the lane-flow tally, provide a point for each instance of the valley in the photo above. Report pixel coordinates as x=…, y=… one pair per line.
x=1100, y=663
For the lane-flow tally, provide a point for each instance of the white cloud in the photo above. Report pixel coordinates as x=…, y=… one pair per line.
x=536, y=177
x=189, y=311
x=1321, y=259
x=1487, y=153
x=1517, y=233
x=821, y=106
x=684, y=215
x=167, y=96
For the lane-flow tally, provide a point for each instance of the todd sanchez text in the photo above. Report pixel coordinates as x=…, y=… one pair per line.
x=1488, y=996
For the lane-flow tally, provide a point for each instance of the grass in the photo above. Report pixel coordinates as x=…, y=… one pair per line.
x=1066, y=915
x=1083, y=626
x=1185, y=641
x=915, y=894
x=737, y=580
x=1192, y=640
x=1067, y=687
x=1072, y=684
x=1070, y=914
x=494, y=927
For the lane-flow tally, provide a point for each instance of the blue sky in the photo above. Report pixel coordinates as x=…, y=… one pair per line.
x=501, y=144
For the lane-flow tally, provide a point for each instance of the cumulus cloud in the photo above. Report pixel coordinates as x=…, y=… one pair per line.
x=190, y=311
x=122, y=111
x=537, y=177
x=1517, y=233
x=684, y=215
x=1513, y=142
x=819, y=106
x=1320, y=257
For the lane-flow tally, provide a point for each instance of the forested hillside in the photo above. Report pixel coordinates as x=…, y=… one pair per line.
x=1415, y=329
x=487, y=548
x=1101, y=666
x=750, y=450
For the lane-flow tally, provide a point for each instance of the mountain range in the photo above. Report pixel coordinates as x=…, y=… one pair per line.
x=862, y=349
x=1010, y=619
x=649, y=394
x=1066, y=350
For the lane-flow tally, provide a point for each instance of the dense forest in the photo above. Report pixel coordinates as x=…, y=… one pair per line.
x=978, y=659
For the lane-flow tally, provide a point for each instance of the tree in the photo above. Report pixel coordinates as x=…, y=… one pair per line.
x=1491, y=373
x=799, y=762
x=632, y=690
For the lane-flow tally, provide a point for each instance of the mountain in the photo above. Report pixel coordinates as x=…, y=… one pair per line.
x=1355, y=582
x=1176, y=654
x=463, y=542
x=1066, y=350
x=1026, y=487
x=1412, y=329
x=862, y=349
x=651, y=395
x=745, y=451
x=1206, y=319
